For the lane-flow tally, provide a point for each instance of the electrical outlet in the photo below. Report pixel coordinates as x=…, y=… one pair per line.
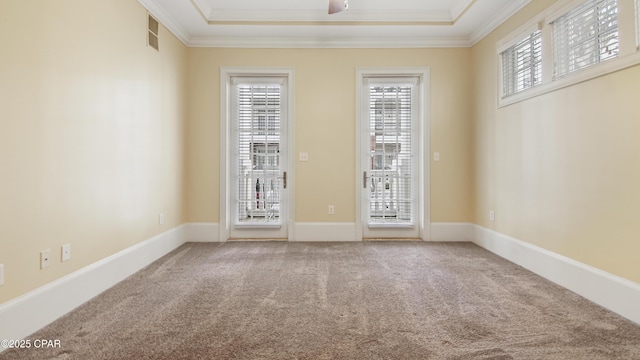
x=1, y=274
x=45, y=258
x=66, y=252
x=332, y=210
x=492, y=215
x=161, y=218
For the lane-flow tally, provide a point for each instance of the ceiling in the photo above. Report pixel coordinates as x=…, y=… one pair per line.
x=306, y=24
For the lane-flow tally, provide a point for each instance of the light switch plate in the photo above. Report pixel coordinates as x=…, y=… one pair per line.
x=45, y=258
x=304, y=156
x=66, y=252
x=1, y=274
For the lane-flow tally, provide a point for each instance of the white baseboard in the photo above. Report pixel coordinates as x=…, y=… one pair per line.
x=34, y=310
x=30, y=312
x=202, y=232
x=324, y=232
x=609, y=291
x=447, y=232
x=327, y=232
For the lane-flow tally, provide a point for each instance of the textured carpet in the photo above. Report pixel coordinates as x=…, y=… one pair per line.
x=381, y=300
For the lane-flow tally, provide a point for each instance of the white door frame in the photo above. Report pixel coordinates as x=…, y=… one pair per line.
x=226, y=73
x=423, y=212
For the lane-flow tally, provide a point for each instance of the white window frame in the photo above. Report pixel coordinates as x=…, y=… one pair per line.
x=564, y=63
x=513, y=72
x=226, y=75
x=423, y=214
x=637, y=6
x=629, y=43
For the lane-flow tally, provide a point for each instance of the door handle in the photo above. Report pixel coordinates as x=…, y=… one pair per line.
x=284, y=179
x=364, y=179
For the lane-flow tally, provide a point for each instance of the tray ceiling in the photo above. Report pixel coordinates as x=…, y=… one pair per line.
x=305, y=23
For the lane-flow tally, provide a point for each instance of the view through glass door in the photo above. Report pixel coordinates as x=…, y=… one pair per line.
x=259, y=157
x=390, y=157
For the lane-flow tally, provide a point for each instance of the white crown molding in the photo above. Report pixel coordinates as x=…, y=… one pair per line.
x=498, y=19
x=459, y=8
x=166, y=20
x=221, y=15
x=203, y=7
x=315, y=43
x=391, y=43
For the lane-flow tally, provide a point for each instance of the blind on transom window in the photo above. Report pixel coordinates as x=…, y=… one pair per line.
x=522, y=64
x=586, y=36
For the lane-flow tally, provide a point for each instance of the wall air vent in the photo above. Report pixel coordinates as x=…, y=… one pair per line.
x=153, y=33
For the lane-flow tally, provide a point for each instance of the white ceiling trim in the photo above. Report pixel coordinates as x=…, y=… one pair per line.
x=166, y=20
x=239, y=42
x=315, y=43
x=459, y=8
x=203, y=7
x=497, y=20
x=315, y=16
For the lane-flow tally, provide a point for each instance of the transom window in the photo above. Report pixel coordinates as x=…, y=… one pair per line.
x=569, y=42
x=522, y=64
x=586, y=36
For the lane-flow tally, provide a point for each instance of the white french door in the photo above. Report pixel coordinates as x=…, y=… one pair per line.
x=259, y=157
x=390, y=157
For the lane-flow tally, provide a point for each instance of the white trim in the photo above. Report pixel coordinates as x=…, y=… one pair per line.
x=226, y=73
x=322, y=232
x=607, y=290
x=637, y=17
x=451, y=232
x=206, y=10
x=215, y=16
x=544, y=19
x=497, y=20
x=35, y=309
x=516, y=36
x=333, y=43
x=202, y=232
x=459, y=8
x=560, y=9
x=424, y=119
x=166, y=20
x=291, y=42
x=577, y=77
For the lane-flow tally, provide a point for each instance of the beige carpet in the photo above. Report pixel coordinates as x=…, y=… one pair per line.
x=381, y=300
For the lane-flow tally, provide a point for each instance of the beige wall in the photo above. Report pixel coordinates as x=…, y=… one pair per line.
x=325, y=127
x=94, y=141
x=561, y=170
x=91, y=134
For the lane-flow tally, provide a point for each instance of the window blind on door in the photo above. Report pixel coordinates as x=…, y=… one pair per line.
x=586, y=36
x=258, y=130
x=391, y=109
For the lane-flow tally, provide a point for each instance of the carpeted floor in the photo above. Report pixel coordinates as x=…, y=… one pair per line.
x=380, y=300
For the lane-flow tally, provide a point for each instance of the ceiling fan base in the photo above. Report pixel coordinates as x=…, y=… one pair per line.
x=336, y=6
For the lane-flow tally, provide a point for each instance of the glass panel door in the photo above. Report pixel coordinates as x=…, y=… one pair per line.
x=390, y=158
x=259, y=158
